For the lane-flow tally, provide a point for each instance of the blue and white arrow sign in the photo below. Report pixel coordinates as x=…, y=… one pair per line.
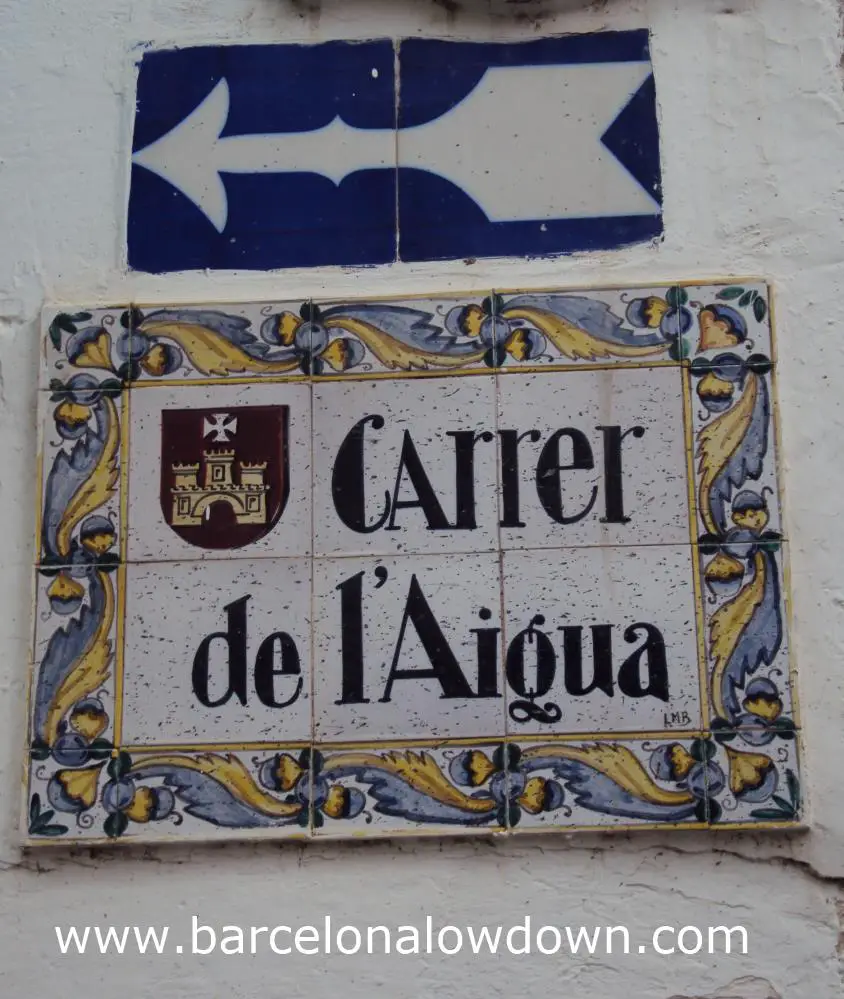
x=262, y=157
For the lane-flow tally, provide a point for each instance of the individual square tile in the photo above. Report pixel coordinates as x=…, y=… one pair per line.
x=82, y=345
x=734, y=442
x=601, y=640
x=406, y=789
x=82, y=457
x=63, y=800
x=441, y=335
x=602, y=460
x=605, y=326
x=76, y=658
x=72, y=701
x=745, y=638
x=257, y=340
x=608, y=783
x=405, y=466
x=754, y=780
x=173, y=795
x=220, y=469
x=467, y=185
x=217, y=652
x=734, y=317
x=407, y=648
x=315, y=127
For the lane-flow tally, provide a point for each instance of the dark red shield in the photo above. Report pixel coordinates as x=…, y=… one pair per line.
x=224, y=476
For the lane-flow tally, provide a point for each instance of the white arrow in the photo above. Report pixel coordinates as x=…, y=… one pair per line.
x=524, y=144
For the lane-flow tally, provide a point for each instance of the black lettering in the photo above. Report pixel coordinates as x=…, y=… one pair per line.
x=348, y=489
x=444, y=666
x=510, y=440
x=630, y=673
x=614, y=491
x=464, y=464
x=265, y=669
x=351, y=631
x=526, y=709
x=235, y=638
x=548, y=478
x=426, y=498
x=487, y=639
x=546, y=661
x=573, y=658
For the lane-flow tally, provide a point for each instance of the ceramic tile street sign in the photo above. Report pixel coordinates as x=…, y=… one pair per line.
x=491, y=562
x=271, y=156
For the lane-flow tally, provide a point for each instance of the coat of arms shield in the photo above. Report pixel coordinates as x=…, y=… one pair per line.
x=224, y=475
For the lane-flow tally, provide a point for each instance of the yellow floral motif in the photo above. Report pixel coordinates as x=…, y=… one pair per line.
x=618, y=763
x=228, y=771
x=212, y=354
x=155, y=361
x=420, y=770
x=65, y=587
x=713, y=387
x=714, y=332
x=654, y=311
x=682, y=761
x=142, y=806
x=747, y=770
x=767, y=708
x=728, y=624
x=517, y=345
x=99, y=543
x=337, y=355
x=532, y=799
x=480, y=767
x=472, y=320
x=752, y=520
x=718, y=442
x=91, y=669
x=335, y=802
x=88, y=722
x=96, y=353
x=724, y=568
x=396, y=355
x=98, y=488
x=80, y=785
x=288, y=324
x=287, y=772
x=73, y=414
x=576, y=343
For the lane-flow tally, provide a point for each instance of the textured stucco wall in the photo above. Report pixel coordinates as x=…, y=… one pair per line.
x=752, y=108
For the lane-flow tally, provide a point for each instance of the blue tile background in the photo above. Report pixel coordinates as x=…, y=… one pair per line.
x=304, y=219
x=274, y=220
x=438, y=220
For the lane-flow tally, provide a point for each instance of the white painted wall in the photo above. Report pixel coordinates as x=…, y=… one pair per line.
x=753, y=142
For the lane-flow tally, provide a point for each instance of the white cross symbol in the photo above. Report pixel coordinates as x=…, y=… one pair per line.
x=221, y=426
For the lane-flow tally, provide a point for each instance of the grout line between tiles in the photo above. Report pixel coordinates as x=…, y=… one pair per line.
x=396, y=114
x=144, y=748
x=125, y=446
x=502, y=642
x=41, y=417
x=120, y=655
x=334, y=556
x=120, y=637
x=691, y=490
x=312, y=628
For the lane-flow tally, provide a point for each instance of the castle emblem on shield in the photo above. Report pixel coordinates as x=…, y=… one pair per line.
x=224, y=476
